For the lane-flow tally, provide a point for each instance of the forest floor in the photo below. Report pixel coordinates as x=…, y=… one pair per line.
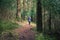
x=25, y=32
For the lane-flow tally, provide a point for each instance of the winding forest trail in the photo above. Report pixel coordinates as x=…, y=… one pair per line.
x=25, y=32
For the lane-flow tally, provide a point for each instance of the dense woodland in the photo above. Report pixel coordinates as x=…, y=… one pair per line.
x=44, y=13
x=17, y=10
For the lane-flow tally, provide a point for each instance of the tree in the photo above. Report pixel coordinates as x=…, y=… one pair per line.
x=39, y=16
x=18, y=14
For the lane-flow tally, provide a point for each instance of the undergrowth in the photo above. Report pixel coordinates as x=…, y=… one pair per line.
x=42, y=36
x=8, y=35
x=7, y=25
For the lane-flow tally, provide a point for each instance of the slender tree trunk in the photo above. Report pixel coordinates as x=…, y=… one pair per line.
x=18, y=9
x=39, y=16
x=24, y=9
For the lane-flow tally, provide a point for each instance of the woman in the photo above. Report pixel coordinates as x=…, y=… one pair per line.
x=29, y=19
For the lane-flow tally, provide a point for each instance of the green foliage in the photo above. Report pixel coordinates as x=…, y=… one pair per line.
x=9, y=35
x=7, y=25
x=7, y=3
x=8, y=9
x=54, y=5
x=40, y=36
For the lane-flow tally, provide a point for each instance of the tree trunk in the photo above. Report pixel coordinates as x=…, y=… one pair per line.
x=39, y=16
x=50, y=20
x=18, y=9
x=24, y=9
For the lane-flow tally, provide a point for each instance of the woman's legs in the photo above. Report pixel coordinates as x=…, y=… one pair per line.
x=29, y=22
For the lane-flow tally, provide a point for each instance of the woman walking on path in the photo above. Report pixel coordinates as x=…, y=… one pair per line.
x=29, y=20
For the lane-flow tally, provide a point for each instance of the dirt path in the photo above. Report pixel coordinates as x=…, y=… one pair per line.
x=25, y=32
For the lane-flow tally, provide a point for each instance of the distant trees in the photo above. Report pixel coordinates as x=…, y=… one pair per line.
x=33, y=11
x=28, y=9
x=52, y=12
x=7, y=9
x=48, y=11
x=18, y=9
